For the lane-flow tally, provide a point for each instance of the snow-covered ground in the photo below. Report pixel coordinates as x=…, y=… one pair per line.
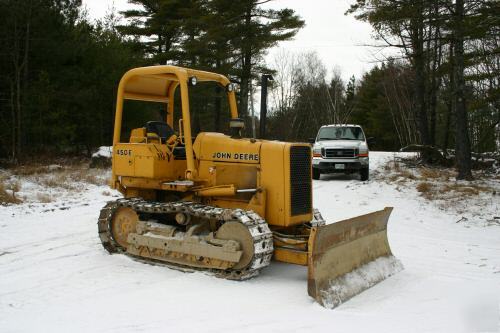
x=56, y=277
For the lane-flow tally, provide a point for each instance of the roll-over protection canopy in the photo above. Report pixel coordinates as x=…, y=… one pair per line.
x=155, y=82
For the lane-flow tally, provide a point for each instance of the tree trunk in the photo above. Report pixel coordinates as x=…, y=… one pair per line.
x=497, y=136
x=435, y=83
x=446, y=134
x=421, y=112
x=246, y=70
x=419, y=67
x=449, y=104
x=13, y=124
x=435, y=79
x=160, y=46
x=462, y=141
x=245, y=79
x=19, y=113
x=25, y=75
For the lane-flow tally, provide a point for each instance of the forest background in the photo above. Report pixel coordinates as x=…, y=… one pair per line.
x=59, y=72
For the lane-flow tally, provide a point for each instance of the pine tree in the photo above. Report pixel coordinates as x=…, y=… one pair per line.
x=445, y=41
x=157, y=28
x=259, y=29
x=226, y=36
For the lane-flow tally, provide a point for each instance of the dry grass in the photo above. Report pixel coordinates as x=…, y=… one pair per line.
x=407, y=174
x=392, y=166
x=44, y=197
x=448, y=192
x=49, y=181
x=8, y=192
x=428, y=173
x=28, y=170
x=427, y=190
x=435, y=183
x=436, y=174
x=467, y=189
x=34, y=169
x=392, y=178
x=424, y=187
x=395, y=172
x=92, y=178
x=61, y=175
x=70, y=178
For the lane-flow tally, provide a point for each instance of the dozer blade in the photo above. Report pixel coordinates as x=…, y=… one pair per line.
x=348, y=257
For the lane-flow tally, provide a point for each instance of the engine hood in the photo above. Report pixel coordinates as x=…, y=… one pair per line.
x=340, y=144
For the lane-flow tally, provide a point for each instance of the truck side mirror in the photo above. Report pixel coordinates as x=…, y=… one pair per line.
x=311, y=140
x=371, y=141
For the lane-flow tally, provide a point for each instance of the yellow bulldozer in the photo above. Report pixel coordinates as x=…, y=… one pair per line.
x=224, y=204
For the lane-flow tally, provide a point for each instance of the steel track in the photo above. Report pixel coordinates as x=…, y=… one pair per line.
x=257, y=226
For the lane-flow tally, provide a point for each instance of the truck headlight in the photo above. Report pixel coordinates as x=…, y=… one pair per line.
x=363, y=152
x=317, y=152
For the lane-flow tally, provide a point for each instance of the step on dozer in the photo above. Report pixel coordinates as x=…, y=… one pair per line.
x=227, y=205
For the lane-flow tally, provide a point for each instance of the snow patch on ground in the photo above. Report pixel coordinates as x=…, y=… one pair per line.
x=56, y=277
x=345, y=287
x=104, y=151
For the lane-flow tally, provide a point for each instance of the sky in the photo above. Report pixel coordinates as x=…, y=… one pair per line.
x=341, y=41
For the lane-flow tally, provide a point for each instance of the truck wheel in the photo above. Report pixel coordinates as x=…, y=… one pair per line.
x=364, y=173
x=316, y=173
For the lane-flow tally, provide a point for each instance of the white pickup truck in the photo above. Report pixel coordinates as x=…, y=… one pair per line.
x=340, y=148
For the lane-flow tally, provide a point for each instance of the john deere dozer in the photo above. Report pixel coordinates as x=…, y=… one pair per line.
x=225, y=204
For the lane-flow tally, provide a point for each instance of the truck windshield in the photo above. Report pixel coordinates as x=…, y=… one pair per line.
x=341, y=133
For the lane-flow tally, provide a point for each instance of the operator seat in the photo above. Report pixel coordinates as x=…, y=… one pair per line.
x=164, y=132
x=160, y=128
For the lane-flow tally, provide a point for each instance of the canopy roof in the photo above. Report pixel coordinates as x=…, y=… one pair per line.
x=155, y=82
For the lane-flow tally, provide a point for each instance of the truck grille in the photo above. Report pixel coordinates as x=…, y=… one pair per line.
x=300, y=180
x=340, y=153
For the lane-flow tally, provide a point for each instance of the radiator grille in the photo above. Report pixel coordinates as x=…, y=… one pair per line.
x=340, y=153
x=300, y=180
